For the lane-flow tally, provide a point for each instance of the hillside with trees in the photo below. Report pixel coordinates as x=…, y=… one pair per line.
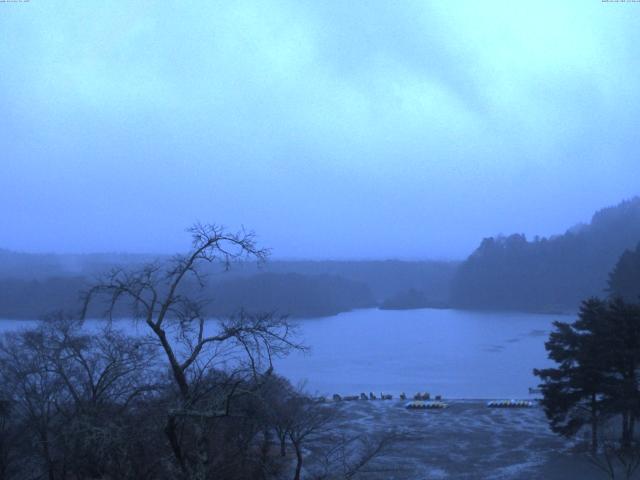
x=624, y=279
x=547, y=274
x=291, y=294
x=32, y=285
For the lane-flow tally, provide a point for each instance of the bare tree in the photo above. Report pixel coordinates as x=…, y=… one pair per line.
x=312, y=426
x=277, y=395
x=350, y=457
x=11, y=458
x=307, y=419
x=70, y=392
x=33, y=391
x=613, y=458
x=169, y=300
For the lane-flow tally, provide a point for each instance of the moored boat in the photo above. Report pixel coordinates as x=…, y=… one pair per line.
x=422, y=405
x=509, y=404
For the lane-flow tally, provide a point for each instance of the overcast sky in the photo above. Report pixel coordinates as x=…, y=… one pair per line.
x=334, y=129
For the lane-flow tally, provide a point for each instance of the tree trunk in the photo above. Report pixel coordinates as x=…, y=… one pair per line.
x=283, y=446
x=266, y=444
x=594, y=425
x=298, y=461
x=178, y=373
x=170, y=431
x=202, y=451
x=44, y=437
x=626, y=441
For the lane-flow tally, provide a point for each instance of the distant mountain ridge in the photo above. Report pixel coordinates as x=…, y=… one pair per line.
x=548, y=274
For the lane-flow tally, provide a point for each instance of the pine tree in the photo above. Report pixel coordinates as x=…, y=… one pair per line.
x=596, y=378
x=624, y=280
x=574, y=391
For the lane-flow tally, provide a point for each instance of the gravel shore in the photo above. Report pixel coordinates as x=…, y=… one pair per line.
x=467, y=440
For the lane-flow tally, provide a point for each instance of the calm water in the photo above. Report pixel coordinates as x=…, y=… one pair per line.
x=458, y=354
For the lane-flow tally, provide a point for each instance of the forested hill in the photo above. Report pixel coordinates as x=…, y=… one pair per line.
x=548, y=274
x=32, y=285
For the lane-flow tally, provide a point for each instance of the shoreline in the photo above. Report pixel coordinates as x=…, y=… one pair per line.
x=466, y=440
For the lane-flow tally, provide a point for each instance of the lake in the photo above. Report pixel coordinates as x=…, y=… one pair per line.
x=459, y=354
x=455, y=353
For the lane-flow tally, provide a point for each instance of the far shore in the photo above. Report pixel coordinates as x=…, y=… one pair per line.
x=436, y=306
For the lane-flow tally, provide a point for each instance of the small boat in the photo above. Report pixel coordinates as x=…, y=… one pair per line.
x=510, y=404
x=422, y=405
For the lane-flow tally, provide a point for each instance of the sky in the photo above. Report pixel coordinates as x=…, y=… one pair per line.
x=333, y=129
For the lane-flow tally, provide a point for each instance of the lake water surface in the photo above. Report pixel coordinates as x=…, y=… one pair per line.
x=459, y=354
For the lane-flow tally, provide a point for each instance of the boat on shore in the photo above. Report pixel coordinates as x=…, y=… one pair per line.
x=510, y=404
x=426, y=405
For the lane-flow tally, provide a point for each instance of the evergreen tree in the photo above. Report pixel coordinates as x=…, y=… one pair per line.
x=624, y=280
x=574, y=391
x=598, y=359
x=620, y=339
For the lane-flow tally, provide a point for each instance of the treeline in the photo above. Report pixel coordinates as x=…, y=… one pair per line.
x=548, y=274
x=291, y=294
x=412, y=299
x=40, y=266
x=624, y=279
x=384, y=278
x=32, y=285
